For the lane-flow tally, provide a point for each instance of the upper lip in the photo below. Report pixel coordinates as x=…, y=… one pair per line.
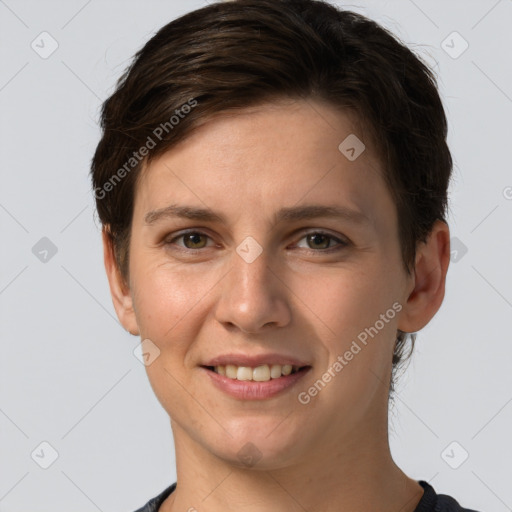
x=253, y=361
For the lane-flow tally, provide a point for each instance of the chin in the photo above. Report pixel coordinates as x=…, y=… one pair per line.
x=260, y=443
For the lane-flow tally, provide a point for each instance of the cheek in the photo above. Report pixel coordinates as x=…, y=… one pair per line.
x=168, y=304
x=341, y=297
x=166, y=300
x=357, y=341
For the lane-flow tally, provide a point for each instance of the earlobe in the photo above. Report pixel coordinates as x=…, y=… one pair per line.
x=119, y=289
x=431, y=266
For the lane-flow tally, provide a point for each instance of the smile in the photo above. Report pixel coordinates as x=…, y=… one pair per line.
x=261, y=373
x=260, y=382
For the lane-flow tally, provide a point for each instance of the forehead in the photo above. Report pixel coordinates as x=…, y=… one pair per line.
x=268, y=156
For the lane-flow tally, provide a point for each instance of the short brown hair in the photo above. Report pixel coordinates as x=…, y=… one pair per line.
x=243, y=53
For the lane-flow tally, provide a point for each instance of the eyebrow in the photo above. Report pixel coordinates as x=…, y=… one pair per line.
x=287, y=214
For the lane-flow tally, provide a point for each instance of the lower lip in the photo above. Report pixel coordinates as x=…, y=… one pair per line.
x=251, y=390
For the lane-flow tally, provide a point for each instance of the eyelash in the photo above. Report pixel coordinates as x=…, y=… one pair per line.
x=341, y=243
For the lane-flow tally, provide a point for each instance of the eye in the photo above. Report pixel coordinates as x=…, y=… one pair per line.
x=321, y=240
x=191, y=240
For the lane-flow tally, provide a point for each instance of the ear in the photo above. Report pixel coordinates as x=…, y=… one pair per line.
x=426, y=292
x=119, y=290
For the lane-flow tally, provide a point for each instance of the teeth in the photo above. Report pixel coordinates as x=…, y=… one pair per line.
x=261, y=373
x=244, y=373
x=287, y=369
x=275, y=371
x=231, y=371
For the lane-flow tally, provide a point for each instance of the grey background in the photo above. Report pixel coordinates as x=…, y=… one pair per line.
x=68, y=372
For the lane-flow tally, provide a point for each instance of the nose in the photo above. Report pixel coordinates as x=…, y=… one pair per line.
x=253, y=296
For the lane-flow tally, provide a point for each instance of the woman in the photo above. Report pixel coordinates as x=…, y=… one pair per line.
x=243, y=135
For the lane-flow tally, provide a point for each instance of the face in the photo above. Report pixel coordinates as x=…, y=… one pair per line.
x=294, y=259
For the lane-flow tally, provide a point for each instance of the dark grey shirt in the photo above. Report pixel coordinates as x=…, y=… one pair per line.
x=430, y=501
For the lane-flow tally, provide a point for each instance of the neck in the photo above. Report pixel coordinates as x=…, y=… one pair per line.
x=334, y=476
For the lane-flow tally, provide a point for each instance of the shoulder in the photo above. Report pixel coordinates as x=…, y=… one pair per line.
x=433, y=502
x=448, y=504
x=154, y=504
x=430, y=501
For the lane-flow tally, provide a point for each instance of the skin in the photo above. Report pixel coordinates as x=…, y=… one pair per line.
x=333, y=453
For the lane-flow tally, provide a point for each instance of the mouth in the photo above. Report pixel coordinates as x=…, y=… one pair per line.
x=261, y=382
x=260, y=373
